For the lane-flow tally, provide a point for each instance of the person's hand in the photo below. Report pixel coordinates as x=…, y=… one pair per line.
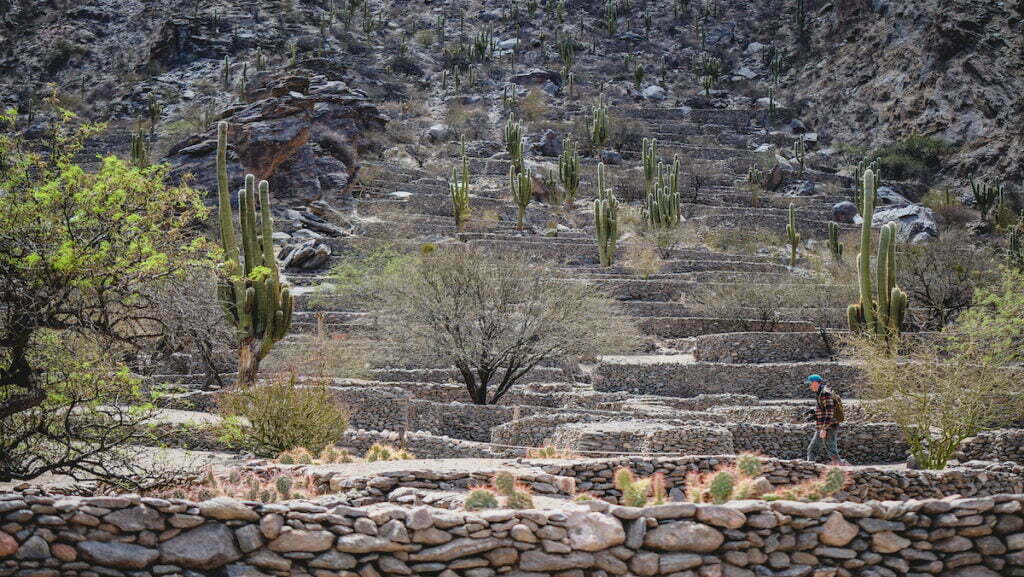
x=823, y=433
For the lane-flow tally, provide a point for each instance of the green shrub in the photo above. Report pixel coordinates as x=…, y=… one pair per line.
x=480, y=498
x=282, y=415
x=915, y=157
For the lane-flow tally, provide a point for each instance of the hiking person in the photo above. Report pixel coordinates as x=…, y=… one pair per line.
x=828, y=414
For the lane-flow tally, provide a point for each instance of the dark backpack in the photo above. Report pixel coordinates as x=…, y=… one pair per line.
x=837, y=412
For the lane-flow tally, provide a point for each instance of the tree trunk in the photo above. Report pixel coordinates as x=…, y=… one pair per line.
x=248, y=362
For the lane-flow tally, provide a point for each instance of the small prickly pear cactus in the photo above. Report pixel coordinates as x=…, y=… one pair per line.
x=284, y=487
x=479, y=499
x=721, y=487
x=835, y=480
x=749, y=465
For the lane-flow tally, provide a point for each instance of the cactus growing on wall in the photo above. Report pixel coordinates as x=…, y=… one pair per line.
x=792, y=236
x=254, y=299
x=522, y=190
x=882, y=314
x=606, y=220
x=458, y=187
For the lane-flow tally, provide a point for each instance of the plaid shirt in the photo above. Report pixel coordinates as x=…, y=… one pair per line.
x=825, y=411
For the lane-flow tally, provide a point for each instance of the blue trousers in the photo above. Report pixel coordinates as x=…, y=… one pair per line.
x=830, y=441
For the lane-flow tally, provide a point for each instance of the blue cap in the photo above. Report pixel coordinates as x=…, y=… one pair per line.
x=814, y=379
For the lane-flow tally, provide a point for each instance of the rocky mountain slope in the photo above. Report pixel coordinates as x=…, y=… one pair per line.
x=869, y=72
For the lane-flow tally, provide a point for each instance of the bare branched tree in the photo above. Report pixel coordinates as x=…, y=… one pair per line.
x=494, y=318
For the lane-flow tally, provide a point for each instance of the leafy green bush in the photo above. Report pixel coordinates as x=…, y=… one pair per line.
x=916, y=156
x=282, y=415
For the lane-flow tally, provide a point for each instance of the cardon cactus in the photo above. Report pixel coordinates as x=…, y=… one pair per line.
x=721, y=487
x=650, y=163
x=569, y=170
x=606, y=220
x=458, y=187
x=881, y=315
x=522, y=190
x=792, y=235
x=599, y=125
x=987, y=194
x=662, y=206
x=514, y=142
x=1015, y=245
x=834, y=246
x=251, y=293
x=479, y=499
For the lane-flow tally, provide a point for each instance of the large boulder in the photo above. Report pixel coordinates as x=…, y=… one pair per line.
x=844, y=212
x=916, y=222
x=302, y=135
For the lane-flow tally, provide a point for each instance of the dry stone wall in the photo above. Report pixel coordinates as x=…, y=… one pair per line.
x=765, y=381
x=46, y=536
x=1004, y=445
x=761, y=347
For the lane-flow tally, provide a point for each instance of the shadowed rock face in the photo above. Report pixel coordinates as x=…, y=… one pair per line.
x=301, y=134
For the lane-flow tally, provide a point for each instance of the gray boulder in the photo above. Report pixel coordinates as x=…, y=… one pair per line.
x=916, y=223
x=844, y=212
x=887, y=196
x=653, y=92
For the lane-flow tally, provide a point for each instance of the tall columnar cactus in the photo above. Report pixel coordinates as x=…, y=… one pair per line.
x=880, y=314
x=567, y=52
x=606, y=220
x=858, y=172
x=522, y=190
x=514, y=141
x=712, y=69
x=599, y=124
x=569, y=170
x=662, y=206
x=140, y=147
x=834, y=246
x=800, y=152
x=650, y=161
x=638, y=76
x=792, y=236
x=987, y=194
x=610, y=17
x=1015, y=245
x=254, y=299
x=458, y=187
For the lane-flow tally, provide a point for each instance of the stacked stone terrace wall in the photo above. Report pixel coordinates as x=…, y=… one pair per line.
x=765, y=381
x=47, y=536
x=595, y=476
x=1003, y=445
x=760, y=347
x=683, y=327
x=860, y=443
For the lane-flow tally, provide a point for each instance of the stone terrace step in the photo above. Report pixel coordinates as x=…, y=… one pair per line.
x=765, y=381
